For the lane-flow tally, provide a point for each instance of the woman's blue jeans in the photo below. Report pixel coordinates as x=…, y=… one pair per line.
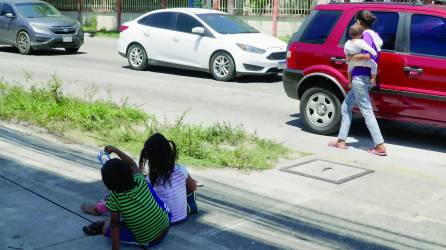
x=359, y=94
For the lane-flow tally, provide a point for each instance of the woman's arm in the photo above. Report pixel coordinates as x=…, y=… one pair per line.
x=114, y=227
x=110, y=149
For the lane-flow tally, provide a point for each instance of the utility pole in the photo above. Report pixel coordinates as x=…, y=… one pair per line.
x=79, y=11
x=216, y=4
x=231, y=5
x=275, y=16
x=118, y=13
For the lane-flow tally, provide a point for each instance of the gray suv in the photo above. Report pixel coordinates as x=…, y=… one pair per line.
x=34, y=25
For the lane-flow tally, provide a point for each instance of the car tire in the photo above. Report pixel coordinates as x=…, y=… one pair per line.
x=23, y=43
x=72, y=50
x=137, y=57
x=222, y=67
x=320, y=110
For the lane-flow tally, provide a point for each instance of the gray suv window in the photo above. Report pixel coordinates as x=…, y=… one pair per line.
x=320, y=27
x=6, y=8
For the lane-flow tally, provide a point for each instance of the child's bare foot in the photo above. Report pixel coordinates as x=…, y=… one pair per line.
x=90, y=209
x=373, y=82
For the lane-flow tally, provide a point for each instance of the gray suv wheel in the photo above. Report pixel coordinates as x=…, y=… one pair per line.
x=23, y=43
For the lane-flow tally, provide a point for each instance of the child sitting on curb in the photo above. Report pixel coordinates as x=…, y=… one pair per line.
x=145, y=218
x=171, y=181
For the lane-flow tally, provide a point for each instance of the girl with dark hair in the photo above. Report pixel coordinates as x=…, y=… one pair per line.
x=171, y=181
x=145, y=218
x=360, y=87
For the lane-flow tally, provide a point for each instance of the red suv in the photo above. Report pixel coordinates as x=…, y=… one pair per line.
x=412, y=64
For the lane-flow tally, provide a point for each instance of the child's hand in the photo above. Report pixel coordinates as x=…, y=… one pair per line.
x=110, y=149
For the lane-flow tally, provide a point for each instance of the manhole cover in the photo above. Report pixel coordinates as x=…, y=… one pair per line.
x=327, y=171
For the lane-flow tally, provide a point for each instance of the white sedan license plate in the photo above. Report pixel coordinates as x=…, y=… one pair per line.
x=281, y=65
x=67, y=39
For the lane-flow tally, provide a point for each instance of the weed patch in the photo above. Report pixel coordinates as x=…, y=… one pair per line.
x=126, y=126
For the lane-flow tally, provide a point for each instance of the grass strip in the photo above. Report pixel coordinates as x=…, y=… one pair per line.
x=285, y=38
x=105, y=122
x=100, y=33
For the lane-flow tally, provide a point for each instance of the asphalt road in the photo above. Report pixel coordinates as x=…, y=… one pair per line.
x=399, y=206
x=260, y=105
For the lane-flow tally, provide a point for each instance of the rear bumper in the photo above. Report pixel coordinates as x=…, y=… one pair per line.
x=291, y=80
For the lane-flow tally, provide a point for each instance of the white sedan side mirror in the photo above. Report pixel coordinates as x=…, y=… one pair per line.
x=198, y=31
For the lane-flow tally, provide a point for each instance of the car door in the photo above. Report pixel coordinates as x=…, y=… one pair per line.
x=158, y=29
x=423, y=87
x=7, y=24
x=195, y=49
x=385, y=99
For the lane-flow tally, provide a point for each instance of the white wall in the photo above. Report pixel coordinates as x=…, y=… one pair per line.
x=285, y=26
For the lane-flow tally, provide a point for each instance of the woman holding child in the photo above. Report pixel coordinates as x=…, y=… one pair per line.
x=361, y=80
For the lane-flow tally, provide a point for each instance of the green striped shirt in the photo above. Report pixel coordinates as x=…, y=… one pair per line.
x=144, y=218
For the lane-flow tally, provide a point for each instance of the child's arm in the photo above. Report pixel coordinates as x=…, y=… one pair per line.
x=110, y=149
x=364, y=46
x=114, y=228
x=191, y=184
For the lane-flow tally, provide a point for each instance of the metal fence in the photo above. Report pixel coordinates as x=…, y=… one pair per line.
x=266, y=7
x=241, y=7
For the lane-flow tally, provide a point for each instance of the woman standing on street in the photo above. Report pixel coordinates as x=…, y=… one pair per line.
x=359, y=92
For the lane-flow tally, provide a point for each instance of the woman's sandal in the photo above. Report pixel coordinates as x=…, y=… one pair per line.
x=375, y=152
x=94, y=228
x=90, y=209
x=336, y=144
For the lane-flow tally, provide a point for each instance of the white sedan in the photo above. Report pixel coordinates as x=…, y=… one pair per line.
x=200, y=39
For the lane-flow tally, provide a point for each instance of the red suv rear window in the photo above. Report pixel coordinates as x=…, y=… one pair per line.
x=320, y=27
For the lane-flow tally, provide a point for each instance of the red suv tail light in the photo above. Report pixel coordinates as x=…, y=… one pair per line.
x=123, y=27
x=291, y=56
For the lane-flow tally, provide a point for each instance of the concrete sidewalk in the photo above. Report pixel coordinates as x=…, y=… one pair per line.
x=399, y=206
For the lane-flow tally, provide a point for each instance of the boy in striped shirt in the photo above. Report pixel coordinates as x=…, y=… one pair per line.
x=145, y=217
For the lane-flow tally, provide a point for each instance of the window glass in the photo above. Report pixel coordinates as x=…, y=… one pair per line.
x=7, y=9
x=163, y=20
x=186, y=23
x=147, y=20
x=320, y=27
x=36, y=10
x=428, y=35
x=386, y=25
x=227, y=24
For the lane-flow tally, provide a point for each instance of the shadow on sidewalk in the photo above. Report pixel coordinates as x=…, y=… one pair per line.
x=230, y=217
x=397, y=133
x=46, y=148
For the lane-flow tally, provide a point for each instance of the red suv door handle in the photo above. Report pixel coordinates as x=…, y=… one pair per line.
x=413, y=70
x=337, y=60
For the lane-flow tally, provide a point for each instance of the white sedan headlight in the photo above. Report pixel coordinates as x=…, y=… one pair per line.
x=249, y=48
